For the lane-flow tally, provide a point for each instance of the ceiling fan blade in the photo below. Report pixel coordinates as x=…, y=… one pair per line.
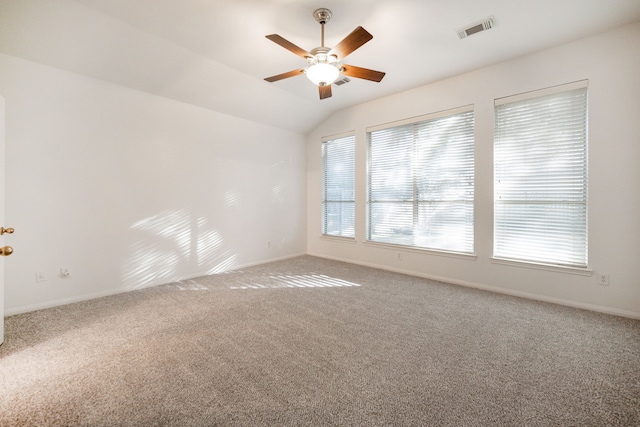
x=288, y=45
x=285, y=75
x=357, y=38
x=362, y=73
x=325, y=91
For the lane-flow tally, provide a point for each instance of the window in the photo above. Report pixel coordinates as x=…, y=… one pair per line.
x=540, y=174
x=421, y=182
x=338, y=195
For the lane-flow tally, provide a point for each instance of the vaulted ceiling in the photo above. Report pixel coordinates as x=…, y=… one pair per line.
x=213, y=53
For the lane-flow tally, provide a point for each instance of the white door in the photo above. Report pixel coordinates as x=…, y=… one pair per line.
x=2, y=126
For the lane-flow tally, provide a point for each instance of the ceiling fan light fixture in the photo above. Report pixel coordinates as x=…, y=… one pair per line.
x=322, y=73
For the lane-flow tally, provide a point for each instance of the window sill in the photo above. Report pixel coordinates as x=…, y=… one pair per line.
x=423, y=251
x=581, y=271
x=339, y=239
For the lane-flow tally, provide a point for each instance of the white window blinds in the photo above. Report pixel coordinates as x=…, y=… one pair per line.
x=540, y=173
x=338, y=195
x=421, y=182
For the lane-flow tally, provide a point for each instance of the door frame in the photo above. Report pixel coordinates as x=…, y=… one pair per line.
x=2, y=178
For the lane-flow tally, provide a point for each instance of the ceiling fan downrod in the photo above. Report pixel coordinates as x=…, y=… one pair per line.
x=322, y=15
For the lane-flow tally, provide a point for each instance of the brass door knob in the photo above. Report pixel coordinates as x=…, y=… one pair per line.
x=6, y=230
x=6, y=251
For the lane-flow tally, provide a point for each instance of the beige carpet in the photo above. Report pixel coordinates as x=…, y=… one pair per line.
x=314, y=342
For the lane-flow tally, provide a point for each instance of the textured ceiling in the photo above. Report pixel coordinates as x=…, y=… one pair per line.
x=213, y=53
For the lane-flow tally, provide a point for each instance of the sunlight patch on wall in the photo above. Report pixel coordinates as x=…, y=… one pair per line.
x=208, y=243
x=173, y=226
x=231, y=198
x=148, y=264
x=170, y=244
x=277, y=193
x=226, y=262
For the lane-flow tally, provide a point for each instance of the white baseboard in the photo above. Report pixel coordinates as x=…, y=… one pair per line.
x=62, y=301
x=86, y=297
x=532, y=296
x=537, y=297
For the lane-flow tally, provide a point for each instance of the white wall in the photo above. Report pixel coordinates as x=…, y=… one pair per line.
x=128, y=190
x=611, y=63
x=72, y=36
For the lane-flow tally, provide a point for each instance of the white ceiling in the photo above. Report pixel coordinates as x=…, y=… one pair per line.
x=213, y=53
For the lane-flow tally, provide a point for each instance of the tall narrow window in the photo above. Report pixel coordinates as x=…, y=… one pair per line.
x=540, y=174
x=421, y=182
x=338, y=194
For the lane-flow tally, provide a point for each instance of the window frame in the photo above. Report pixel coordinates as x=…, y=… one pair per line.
x=416, y=202
x=325, y=142
x=540, y=262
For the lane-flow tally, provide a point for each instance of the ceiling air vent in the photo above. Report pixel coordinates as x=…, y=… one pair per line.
x=476, y=27
x=342, y=81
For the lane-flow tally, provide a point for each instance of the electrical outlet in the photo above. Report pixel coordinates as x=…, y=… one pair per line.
x=40, y=276
x=399, y=256
x=603, y=279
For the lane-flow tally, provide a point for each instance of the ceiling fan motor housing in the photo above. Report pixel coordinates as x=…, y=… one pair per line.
x=321, y=54
x=322, y=15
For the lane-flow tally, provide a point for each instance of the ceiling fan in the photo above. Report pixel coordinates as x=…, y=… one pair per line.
x=324, y=63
